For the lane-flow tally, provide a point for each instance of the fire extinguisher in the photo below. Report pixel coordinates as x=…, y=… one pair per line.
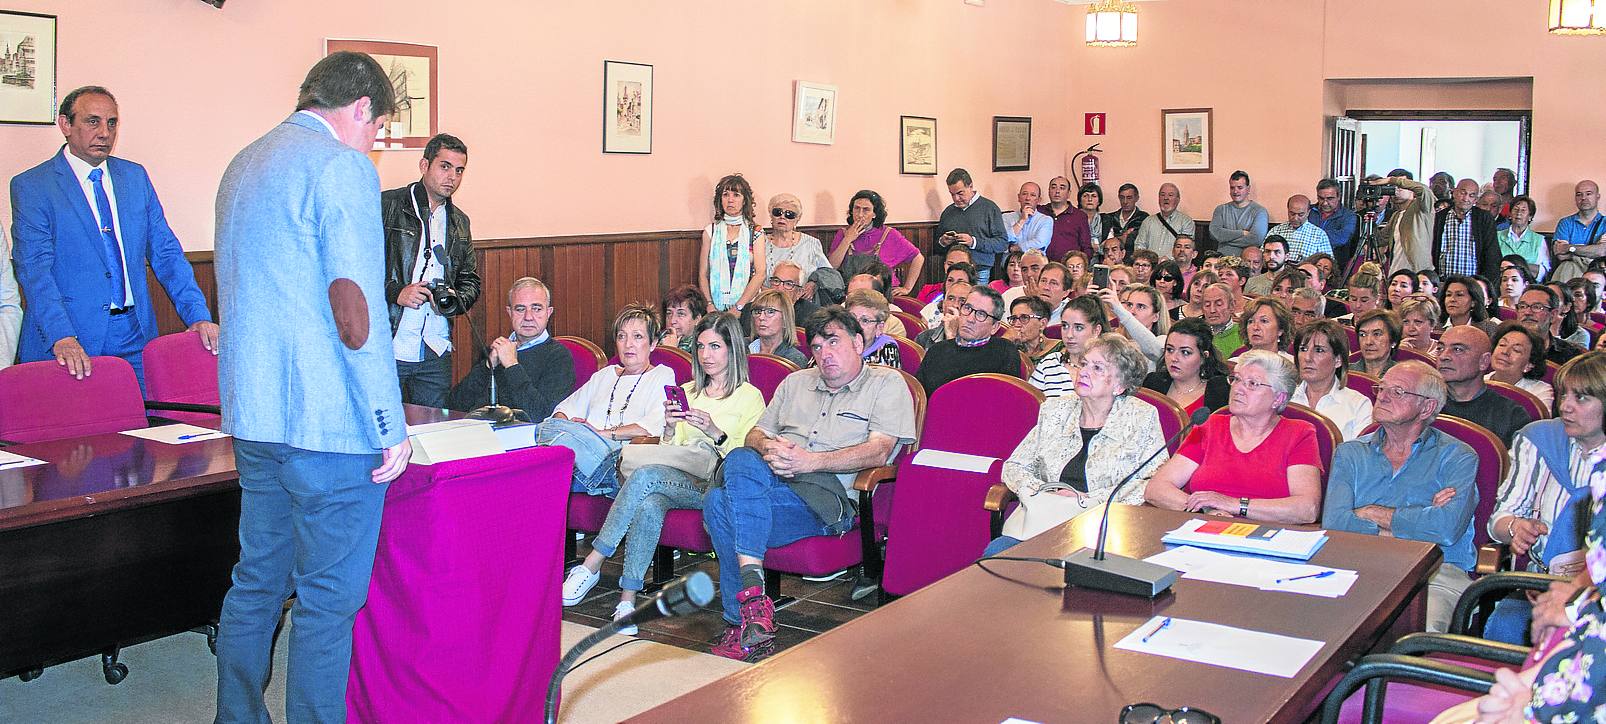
x=1089, y=166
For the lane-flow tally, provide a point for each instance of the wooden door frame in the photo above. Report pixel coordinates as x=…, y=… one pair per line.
x=1524, y=119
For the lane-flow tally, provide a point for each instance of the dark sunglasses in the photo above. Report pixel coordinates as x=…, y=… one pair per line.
x=1153, y=713
x=788, y=214
x=1166, y=278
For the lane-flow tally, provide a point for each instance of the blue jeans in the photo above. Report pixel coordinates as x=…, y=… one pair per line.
x=751, y=513
x=425, y=383
x=646, y=497
x=1509, y=620
x=596, y=458
x=309, y=524
x=984, y=274
x=999, y=545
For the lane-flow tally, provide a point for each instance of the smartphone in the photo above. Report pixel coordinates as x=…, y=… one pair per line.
x=677, y=395
x=1101, y=275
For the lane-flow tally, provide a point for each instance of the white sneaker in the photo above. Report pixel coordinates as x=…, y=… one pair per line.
x=578, y=583
x=620, y=610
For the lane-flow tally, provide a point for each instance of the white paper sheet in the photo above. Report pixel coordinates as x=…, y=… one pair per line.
x=1217, y=645
x=953, y=461
x=176, y=434
x=1266, y=574
x=1298, y=544
x=516, y=437
x=443, y=425
x=12, y=461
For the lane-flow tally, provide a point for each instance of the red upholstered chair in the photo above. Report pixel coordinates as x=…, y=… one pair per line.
x=1506, y=314
x=1363, y=383
x=1493, y=462
x=912, y=323
x=1051, y=331
x=909, y=305
x=588, y=358
x=41, y=401
x=1403, y=353
x=1353, y=337
x=1172, y=417
x=766, y=371
x=674, y=358
x=802, y=340
x=825, y=554
x=909, y=354
x=1551, y=368
x=1327, y=434
x=179, y=369
x=937, y=524
x=1529, y=401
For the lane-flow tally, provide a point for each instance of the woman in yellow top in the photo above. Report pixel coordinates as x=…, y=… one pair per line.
x=724, y=406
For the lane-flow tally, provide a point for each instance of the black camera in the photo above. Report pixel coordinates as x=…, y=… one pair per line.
x=444, y=298
x=1373, y=192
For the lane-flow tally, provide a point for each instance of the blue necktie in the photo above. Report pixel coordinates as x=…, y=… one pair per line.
x=108, y=238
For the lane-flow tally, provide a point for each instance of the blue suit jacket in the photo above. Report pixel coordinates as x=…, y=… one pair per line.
x=306, y=353
x=60, y=267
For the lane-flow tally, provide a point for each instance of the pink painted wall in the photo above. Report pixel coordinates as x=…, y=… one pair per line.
x=521, y=84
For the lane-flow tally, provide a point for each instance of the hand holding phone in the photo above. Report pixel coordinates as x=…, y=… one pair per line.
x=676, y=396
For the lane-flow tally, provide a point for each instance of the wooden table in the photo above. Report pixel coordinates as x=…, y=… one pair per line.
x=116, y=541
x=982, y=647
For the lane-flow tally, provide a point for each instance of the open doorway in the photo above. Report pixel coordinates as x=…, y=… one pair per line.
x=1464, y=144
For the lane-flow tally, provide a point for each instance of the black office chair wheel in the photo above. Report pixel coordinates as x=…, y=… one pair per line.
x=31, y=674
x=115, y=672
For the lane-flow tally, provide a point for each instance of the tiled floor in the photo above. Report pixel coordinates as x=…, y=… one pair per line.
x=818, y=608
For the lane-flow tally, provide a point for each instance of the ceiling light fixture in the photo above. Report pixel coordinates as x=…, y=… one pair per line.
x=1112, y=24
x=1577, y=17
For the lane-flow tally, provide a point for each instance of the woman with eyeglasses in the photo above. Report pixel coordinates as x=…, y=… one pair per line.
x=1028, y=316
x=1378, y=333
x=867, y=236
x=1253, y=463
x=1321, y=350
x=785, y=243
x=1168, y=280
x=1190, y=372
x=1519, y=360
x=1082, y=321
x=732, y=255
x=871, y=310
x=774, y=330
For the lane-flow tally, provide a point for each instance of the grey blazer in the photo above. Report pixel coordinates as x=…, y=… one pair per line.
x=306, y=357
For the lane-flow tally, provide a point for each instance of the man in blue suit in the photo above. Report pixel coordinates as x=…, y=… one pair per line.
x=85, y=224
x=309, y=388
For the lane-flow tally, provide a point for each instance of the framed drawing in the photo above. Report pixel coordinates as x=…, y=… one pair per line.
x=1012, y=143
x=917, y=145
x=27, y=68
x=626, y=107
x=1187, y=140
x=414, y=71
x=813, y=113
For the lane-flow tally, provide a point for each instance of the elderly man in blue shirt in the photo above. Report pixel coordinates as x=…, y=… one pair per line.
x=1409, y=480
x=1026, y=228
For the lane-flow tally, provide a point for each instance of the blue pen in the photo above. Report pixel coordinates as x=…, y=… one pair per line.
x=194, y=435
x=1323, y=574
x=1165, y=623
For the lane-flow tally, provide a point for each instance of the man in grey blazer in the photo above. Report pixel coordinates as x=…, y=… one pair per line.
x=308, y=387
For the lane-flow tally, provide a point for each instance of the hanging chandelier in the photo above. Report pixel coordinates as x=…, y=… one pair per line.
x=1112, y=24
x=1570, y=17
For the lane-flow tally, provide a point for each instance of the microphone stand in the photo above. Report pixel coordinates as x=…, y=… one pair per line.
x=497, y=415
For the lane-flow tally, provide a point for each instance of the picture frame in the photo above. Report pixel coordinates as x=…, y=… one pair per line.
x=1187, y=140
x=1012, y=143
x=27, y=68
x=414, y=70
x=917, y=146
x=626, y=107
x=813, y=113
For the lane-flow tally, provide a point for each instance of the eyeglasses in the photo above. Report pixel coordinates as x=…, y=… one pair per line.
x=868, y=320
x=1253, y=385
x=1383, y=391
x=1524, y=307
x=1153, y=713
x=977, y=313
x=1166, y=278
x=1020, y=319
x=765, y=311
x=773, y=282
x=787, y=214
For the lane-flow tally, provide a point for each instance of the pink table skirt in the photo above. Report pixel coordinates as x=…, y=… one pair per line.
x=463, y=615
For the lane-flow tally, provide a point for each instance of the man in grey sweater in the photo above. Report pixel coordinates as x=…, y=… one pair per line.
x=1239, y=223
x=973, y=221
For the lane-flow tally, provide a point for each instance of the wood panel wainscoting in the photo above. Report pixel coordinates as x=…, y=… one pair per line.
x=591, y=277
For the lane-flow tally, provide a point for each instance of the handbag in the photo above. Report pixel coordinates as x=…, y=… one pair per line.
x=697, y=459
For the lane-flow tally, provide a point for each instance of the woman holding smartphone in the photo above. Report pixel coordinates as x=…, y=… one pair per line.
x=713, y=411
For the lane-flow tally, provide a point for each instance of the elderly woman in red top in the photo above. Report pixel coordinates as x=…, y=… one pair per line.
x=1254, y=463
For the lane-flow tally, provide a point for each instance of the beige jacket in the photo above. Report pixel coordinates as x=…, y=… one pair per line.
x=1411, y=228
x=1130, y=435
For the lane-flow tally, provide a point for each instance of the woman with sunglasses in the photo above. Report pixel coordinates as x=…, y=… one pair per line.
x=867, y=236
x=732, y=254
x=1168, y=280
x=1277, y=480
x=785, y=243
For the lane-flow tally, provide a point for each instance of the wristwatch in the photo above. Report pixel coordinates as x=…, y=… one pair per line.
x=1243, y=507
x=718, y=441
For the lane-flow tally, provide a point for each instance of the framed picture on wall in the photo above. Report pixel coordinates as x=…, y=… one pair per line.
x=626, y=107
x=1187, y=140
x=813, y=113
x=27, y=68
x=1012, y=143
x=414, y=72
x=917, y=145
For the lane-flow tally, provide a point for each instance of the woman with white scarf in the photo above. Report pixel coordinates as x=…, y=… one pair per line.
x=727, y=271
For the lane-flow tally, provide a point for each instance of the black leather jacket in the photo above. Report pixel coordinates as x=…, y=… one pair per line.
x=398, y=208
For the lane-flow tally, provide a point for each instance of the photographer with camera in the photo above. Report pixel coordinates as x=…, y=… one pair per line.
x=1409, y=231
x=430, y=272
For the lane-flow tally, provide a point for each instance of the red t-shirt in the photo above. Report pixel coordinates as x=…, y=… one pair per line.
x=1259, y=473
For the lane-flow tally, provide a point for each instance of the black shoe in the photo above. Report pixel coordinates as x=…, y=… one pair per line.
x=863, y=587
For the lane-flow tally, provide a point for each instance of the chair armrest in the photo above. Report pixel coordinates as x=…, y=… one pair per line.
x=643, y=440
x=867, y=480
x=1418, y=644
x=1493, y=558
x=998, y=496
x=183, y=407
x=1492, y=587
x=1376, y=669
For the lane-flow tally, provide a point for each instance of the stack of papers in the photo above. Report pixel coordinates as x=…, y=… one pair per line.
x=1248, y=538
x=1265, y=574
x=9, y=461
x=176, y=434
x=1217, y=645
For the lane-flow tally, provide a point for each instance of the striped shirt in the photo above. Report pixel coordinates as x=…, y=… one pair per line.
x=1053, y=377
x=1303, y=241
x=1457, y=255
x=1530, y=491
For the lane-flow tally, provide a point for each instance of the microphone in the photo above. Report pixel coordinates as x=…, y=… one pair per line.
x=1119, y=574
x=681, y=597
x=497, y=415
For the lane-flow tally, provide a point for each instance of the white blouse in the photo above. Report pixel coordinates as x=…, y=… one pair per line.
x=611, y=398
x=1351, y=411
x=1539, y=388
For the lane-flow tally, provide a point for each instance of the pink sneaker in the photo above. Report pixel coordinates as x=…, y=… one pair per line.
x=730, y=646
x=758, y=616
